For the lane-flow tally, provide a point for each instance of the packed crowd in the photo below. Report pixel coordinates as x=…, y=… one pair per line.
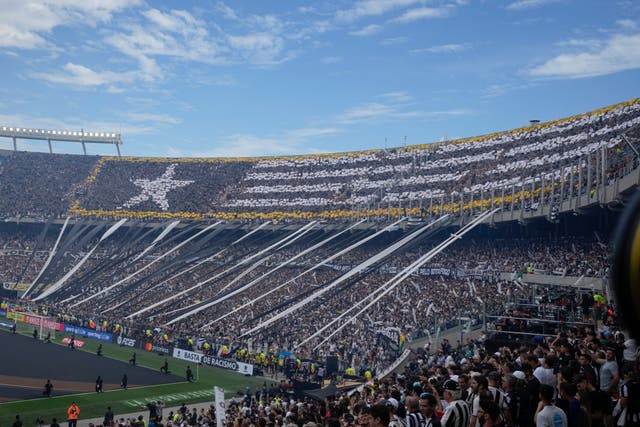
x=256, y=278
x=580, y=376
x=424, y=174
x=528, y=167
x=40, y=185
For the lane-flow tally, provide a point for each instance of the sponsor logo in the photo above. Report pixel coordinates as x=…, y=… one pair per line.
x=245, y=368
x=76, y=330
x=126, y=342
x=99, y=336
x=157, y=348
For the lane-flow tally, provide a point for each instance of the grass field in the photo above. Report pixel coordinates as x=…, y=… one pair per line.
x=124, y=401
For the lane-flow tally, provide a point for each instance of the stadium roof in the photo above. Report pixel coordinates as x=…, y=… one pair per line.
x=61, y=135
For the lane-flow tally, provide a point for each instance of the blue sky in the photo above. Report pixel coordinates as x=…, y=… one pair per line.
x=248, y=78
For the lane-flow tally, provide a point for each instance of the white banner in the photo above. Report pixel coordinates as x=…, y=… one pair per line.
x=218, y=362
x=220, y=406
x=189, y=356
x=245, y=368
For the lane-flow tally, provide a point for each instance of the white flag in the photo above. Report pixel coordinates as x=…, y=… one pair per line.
x=220, y=406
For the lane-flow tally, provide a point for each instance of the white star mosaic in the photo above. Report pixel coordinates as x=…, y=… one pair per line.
x=156, y=189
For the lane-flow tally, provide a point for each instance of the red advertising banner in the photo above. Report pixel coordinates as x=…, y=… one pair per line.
x=49, y=324
x=76, y=342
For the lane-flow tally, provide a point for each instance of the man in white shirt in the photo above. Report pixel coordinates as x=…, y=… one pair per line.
x=547, y=414
x=545, y=373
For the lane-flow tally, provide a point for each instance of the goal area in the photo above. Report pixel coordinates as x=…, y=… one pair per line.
x=44, y=325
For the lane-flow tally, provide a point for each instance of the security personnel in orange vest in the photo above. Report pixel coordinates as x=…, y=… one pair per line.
x=72, y=414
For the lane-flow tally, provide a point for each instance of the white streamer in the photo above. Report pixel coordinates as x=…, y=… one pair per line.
x=54, y=288
x=135, y=273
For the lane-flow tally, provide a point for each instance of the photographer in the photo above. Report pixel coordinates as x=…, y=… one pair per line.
x=72, y=414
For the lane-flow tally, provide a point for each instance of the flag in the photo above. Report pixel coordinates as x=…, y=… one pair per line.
x=220, y=406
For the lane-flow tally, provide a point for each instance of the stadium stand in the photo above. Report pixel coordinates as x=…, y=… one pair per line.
x=531, y=167
x=251, y=259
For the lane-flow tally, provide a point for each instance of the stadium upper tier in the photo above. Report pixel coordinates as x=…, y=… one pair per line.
x=539, y=164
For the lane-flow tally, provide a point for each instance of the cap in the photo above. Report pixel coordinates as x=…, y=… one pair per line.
x=519, y=375
x=450, y=385
x=393, y=402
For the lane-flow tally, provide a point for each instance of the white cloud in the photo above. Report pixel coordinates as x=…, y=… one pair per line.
x=367, y=112
x=176, y=21
x=25, y=24
x=433, y=114
x=367, y=31
x=312, y=132
x=175, y=34
x=365, y=8
x=259, y=48
x=79, y=75
x=627, y=24
x=208, y=79
x=444, y=48
x=330, y=60
x=528, y=4
x=247, y=145
x=401, y=96
x=421, y=13
x=394, y=40
x=310, y=29
x=289, y=142
x=226, y=11
x=590, y=43
x=156, y=118
x=619, y=53
x=179, y=34
x=394, y=110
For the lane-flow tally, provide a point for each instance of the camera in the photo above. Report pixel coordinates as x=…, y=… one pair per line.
x=625, y=273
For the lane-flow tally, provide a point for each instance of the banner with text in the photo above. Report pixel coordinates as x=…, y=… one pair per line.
x=230, y=364
x=148, y=346
x=89, y=333
x=38, y=321
x=123, y=341
x=189, y=356
x=218, y=362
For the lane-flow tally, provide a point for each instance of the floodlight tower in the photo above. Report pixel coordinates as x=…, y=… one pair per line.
x=82, y=137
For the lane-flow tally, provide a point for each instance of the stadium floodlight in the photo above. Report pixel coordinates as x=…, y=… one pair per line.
x=61, y=135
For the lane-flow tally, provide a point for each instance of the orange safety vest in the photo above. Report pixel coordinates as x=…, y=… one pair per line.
x=73, y=412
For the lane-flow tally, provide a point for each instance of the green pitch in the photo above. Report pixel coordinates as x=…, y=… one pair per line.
x=93, y=405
